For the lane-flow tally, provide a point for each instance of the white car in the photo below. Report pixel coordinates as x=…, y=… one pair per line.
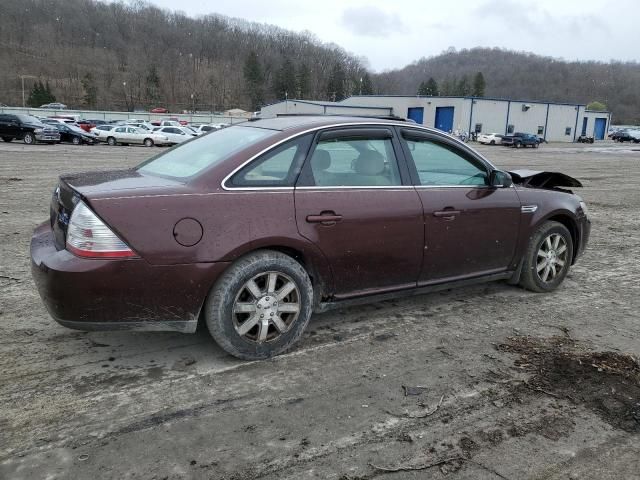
x=176, y=134
x=202, y=129
x=126, y=135
x=490, y=138
x=143, y=125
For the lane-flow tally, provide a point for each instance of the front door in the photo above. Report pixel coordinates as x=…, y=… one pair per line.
x=471, y=229
x=354, y=201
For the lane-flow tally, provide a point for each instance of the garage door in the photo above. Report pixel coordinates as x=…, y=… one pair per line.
x=444, y=119
x=600, y=128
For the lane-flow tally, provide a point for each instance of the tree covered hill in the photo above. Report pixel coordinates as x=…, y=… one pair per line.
x=109, y=55
x=509, y=74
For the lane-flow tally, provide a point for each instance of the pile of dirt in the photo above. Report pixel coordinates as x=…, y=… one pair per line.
x=607, y=383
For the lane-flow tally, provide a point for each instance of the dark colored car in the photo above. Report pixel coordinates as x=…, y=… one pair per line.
x=518, y=140
x=26, y=128
x=585, y=139
x=72, y=134
x=254, y=227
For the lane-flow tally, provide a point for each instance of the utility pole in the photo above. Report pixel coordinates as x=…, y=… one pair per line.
x=22, y=77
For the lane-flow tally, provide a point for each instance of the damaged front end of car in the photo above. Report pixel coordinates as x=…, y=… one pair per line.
x=545, y=180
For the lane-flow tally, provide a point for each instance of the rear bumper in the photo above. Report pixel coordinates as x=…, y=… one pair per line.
x=97, y=294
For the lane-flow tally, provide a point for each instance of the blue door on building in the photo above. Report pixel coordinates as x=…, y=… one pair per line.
x=599, y=130
x=416, y=114
x=584, y=125
x=444, y=119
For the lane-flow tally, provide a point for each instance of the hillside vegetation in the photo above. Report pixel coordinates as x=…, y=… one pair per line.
x=114, y=55
x=134, y=55
x=509, y=74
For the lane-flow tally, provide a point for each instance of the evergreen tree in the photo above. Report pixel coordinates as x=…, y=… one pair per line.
x=152, y=92
x=40, y=94
x=422, y=89
x=304, y=82
x=478, y=85
x=254, y=79
x=463, y=88
x=432, y=87
x=335, y=85
x=90, y=91
x=286, y=83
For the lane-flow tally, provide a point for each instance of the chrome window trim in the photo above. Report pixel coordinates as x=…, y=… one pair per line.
x=358, y=187
x=349, y=124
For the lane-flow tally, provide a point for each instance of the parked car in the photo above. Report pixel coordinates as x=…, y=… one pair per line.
x=518, y=140
x=159, y=110
x=176, y=134
x=126, y=135
x=54, y=106
x=635, y=135
x=254, y=227
x=70, y=133
x=85, y=125
x=202, y=129
x=142, y=125
x=166, y=123
x=102, y=131
x=623, y=136
x=26, y=128
x=490, y=138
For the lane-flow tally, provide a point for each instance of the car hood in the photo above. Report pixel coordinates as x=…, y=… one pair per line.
x=543, y=179
x=117, y=183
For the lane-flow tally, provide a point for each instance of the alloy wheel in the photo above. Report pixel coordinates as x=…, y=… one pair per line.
x=552, y=257
x=266, y=307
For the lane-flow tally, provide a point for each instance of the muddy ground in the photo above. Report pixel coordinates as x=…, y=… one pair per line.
x=516, y=385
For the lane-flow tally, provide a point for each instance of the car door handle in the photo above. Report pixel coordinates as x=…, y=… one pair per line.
x=447, y=214
x=325, y=218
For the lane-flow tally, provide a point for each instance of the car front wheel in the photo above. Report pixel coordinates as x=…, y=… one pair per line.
x=148, y=142
x=260, y=306
x=29, y=139
x=548, y=258
x=111, y=141
x=76, y=141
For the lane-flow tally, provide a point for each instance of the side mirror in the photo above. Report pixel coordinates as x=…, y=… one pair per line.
x=498, y=178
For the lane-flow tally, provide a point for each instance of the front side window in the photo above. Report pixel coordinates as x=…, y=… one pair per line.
x=278, y=168
x=358, y=162
x=121, y=130
x=438, y=164
x=191, y=158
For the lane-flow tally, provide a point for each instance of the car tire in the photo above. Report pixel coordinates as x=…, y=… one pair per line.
x=111, y=141
x=264, y=338
x=7, y=139
x=517, y=145
x=148, y=142
x=29, y=138
x=536, y=145
x=541, y=276
x=492, y=142
x=76, y=140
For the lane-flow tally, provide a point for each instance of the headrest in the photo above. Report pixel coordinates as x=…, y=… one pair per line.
x=369, y=162
x=320, y=161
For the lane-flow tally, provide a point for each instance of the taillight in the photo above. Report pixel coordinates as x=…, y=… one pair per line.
x=88, y=236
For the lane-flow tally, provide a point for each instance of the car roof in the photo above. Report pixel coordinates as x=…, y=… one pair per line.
x=287, y=122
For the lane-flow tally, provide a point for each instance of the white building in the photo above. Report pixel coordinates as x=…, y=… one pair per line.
x=554, y=122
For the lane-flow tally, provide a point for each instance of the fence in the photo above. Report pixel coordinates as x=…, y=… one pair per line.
x=103, y=115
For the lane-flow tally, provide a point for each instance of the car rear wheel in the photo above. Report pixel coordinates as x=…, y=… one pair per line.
x=29, y=138
x=517, y=145
x=492, y=142
x=76, y=141
x=260, y=306
x=7, y=139
x=148, y=142
x=111, y=141
x=548, y=258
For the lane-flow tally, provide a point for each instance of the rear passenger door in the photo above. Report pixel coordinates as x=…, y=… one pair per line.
x=354, y=200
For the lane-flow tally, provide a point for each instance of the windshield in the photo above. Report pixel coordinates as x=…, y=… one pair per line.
x=30, y=120
x=193, y=157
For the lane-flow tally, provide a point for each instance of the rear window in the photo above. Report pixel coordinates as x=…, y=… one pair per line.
x=192, y=157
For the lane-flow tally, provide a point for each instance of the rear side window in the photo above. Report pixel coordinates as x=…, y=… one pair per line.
x=278, y=168
x=438, y=164
x=355, y=162
x=191, y=158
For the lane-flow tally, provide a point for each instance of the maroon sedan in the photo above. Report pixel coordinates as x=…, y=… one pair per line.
x=254, y=227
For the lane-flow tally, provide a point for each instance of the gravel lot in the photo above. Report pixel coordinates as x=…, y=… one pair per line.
x=516, y=385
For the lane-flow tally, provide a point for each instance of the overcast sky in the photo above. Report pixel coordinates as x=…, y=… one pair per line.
x=391, y=34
